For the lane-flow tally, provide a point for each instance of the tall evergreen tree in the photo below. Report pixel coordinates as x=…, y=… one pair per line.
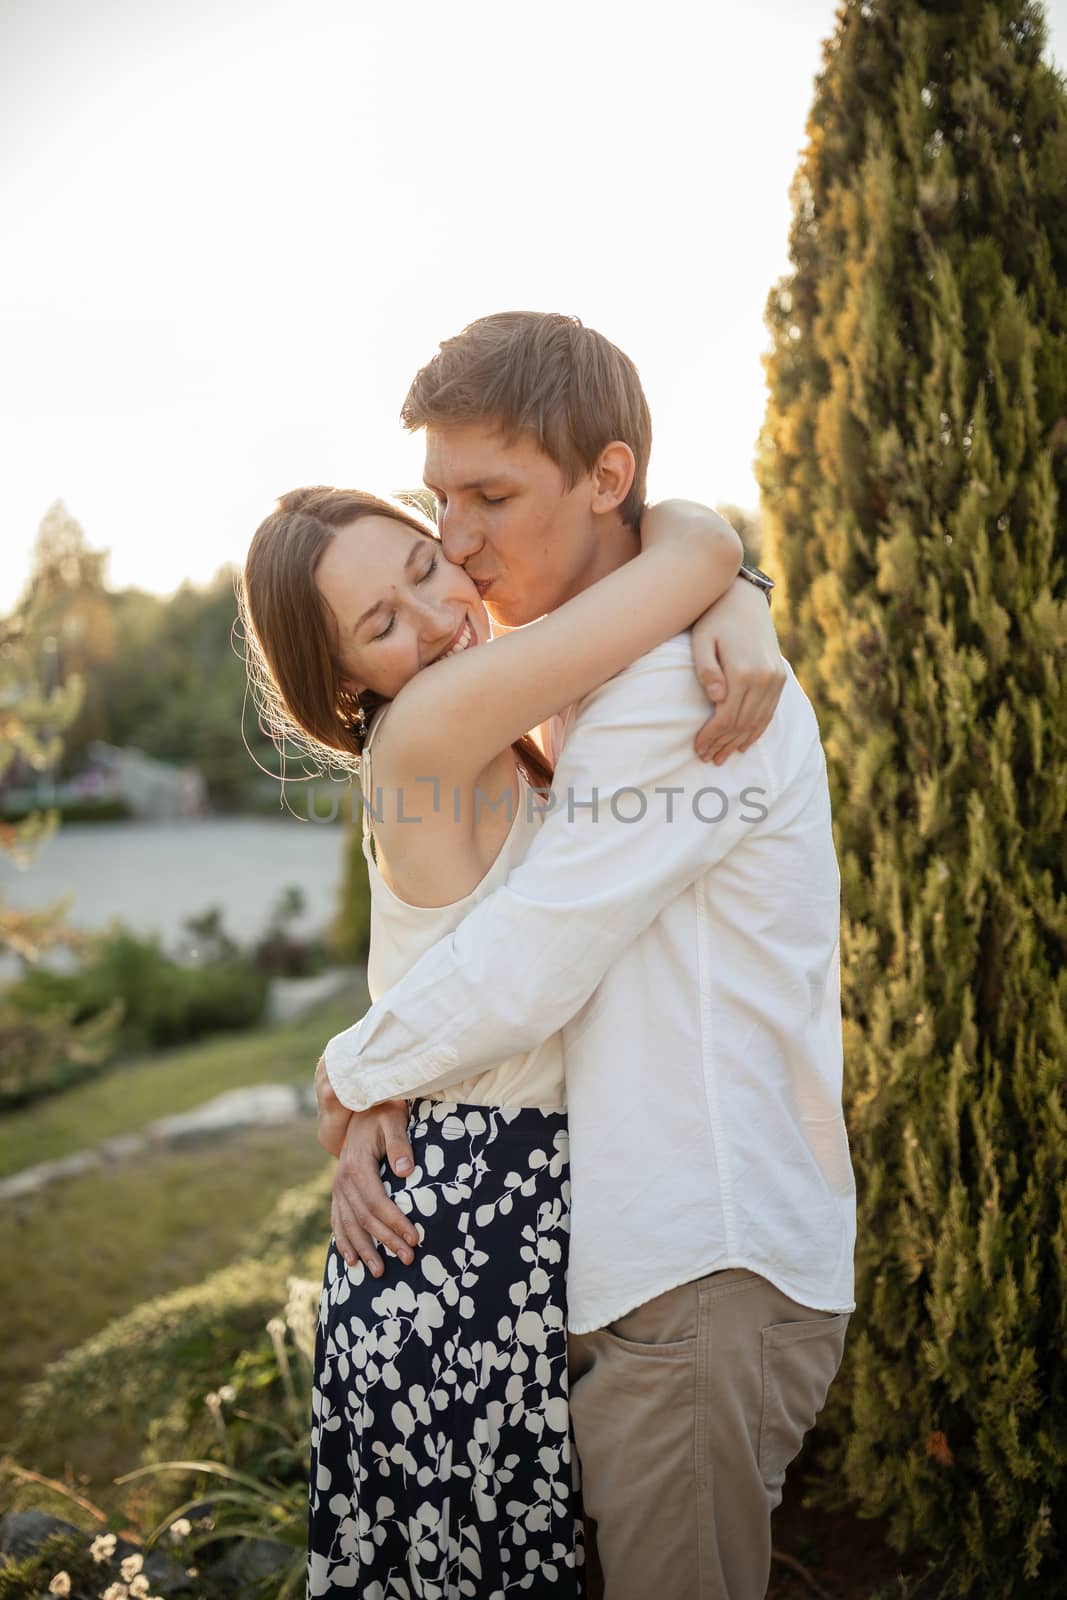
x=913, y=465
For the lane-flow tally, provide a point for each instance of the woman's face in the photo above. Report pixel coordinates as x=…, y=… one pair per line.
x=398, y=603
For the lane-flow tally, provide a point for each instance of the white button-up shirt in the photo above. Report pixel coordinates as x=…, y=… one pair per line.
x=680, y=924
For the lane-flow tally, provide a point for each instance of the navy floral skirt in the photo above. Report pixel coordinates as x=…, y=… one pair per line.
x=441, y=1457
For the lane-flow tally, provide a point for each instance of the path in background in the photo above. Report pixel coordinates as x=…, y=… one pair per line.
x=261, y=1105
x=152, y=875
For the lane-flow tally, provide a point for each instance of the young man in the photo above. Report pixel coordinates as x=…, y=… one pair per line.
x=683, y=933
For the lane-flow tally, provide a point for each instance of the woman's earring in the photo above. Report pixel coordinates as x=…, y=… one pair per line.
x=361, y=719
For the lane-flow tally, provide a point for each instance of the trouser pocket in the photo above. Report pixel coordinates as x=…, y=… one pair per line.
x=799, y=1363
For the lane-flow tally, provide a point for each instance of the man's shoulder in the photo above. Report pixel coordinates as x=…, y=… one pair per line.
x=673, y=657
x=661, y=690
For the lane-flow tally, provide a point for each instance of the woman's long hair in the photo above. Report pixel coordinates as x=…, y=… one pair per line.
x=292, y=647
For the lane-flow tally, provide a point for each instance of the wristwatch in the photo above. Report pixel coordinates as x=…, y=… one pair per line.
x=759, y=578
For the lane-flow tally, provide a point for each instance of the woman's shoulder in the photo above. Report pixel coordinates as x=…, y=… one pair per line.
x=436, y=838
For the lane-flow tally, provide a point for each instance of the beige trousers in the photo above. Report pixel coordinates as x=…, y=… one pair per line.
x=686, y=1414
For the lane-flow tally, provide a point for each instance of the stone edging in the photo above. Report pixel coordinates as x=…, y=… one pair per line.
x=265, y=1105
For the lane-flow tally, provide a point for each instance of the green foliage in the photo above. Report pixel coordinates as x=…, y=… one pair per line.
x=124, y=1376
x=90, y=1249
x=28, y=1578
x=170, y=682
x=75, y=811
x=162, y=1003
x=161, y=675
x=172, y=1081
x=176, y=1348
x=39, y=701
x=281, y=950
x=350, y=934
x=216, y=1384
x=300, y=1221
x=256, y=1416
x=44, y=1052
x=252, y=1435
x=914, y=475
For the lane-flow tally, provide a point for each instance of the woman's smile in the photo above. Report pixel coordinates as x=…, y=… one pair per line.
x=463, y=638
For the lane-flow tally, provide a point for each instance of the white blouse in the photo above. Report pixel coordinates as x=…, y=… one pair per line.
x=401, y=932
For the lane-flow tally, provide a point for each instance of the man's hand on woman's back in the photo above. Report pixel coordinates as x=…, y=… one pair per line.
x=361, y=1213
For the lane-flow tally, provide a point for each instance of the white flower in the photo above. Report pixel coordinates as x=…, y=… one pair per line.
x=228, y=1393
x=276, y=1328
x=115, y=1591
x=60, y=1584
x=103, y=1547
x=180, y=1527
x=131, y=1566
x=140, y=1586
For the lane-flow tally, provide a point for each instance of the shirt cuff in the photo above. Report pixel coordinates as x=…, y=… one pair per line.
x=359, y=1086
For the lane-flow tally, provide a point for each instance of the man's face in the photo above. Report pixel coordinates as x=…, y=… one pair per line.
x=505, y=514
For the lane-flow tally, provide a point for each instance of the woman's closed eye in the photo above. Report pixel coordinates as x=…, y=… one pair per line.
x=387, y=630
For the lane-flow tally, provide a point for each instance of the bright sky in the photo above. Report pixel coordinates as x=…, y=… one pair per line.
x=235, y=228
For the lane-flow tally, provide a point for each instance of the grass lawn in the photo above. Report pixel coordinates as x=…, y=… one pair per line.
x=86, y=1250
x=145, y=1087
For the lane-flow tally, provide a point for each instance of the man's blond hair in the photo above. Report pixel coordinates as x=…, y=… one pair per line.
x=545, y=375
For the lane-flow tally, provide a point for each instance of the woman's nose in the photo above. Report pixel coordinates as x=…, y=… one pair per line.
x=436, y=620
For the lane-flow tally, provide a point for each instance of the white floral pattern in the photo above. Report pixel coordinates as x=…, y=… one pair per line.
x=441, y=1456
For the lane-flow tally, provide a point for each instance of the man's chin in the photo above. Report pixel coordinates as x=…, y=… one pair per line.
x=506, y=613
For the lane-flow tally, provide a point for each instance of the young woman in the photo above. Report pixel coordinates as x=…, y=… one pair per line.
x=441, y=1456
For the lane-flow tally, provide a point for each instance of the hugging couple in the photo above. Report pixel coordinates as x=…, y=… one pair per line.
x=593, y=1215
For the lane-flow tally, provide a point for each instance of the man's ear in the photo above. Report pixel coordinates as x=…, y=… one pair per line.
x=613, y=476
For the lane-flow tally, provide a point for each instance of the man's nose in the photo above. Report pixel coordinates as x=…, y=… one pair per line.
x=460, y=538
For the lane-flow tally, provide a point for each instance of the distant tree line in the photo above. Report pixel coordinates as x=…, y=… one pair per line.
x=163, y=675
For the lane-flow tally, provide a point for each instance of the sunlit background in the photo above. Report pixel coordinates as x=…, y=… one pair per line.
x=233, y=232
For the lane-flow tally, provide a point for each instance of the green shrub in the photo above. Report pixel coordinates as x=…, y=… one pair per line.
x=172, y=1351
x=42, y=1053
x=163, y=1003
x=28, y=1577
x=350, y=934
x=256, y=1415
x=128, y=1373
x=251, y=1439
x=217, y=1374
x=300, y=1221
x=914, y=483
x=75, y=811
x=281, y=950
